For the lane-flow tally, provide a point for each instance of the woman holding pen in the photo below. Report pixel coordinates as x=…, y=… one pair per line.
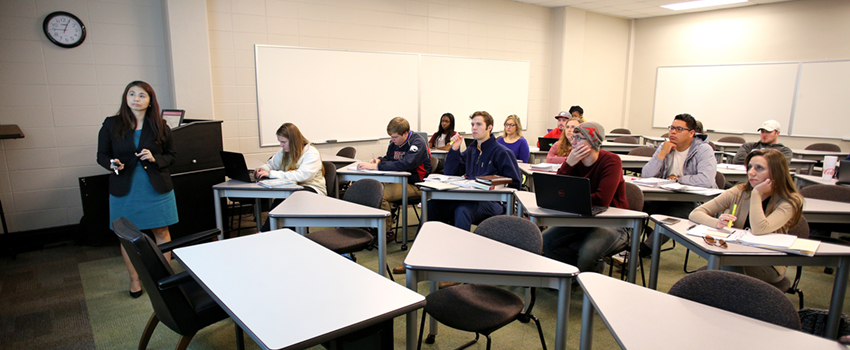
x=767, y=203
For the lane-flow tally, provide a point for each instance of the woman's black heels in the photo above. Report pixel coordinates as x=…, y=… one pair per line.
x=137, y=294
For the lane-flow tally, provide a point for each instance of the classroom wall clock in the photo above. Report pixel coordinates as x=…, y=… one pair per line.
x=64, y=29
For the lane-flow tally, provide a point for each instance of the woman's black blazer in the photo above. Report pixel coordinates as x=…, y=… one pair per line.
x=108, y=147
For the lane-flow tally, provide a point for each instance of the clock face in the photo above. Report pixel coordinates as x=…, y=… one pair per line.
x=64, y=29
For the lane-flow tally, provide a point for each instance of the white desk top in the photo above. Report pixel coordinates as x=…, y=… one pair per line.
x=726, y=144
x=345, y=171
x=263, y=282
x=333, y=158
x=442, y=247
x=685, y=324
x=306, y=204
x=250, y=186
x=812, y=205
x=816, y=179
x=808, y=152
x=529, y=204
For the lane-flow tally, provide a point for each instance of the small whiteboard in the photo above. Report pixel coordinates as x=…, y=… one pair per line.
x=736, y=98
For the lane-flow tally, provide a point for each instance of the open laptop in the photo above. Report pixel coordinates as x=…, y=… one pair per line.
x=844, y=173
x=546, y=143
x=173, y=117
x=235, y=168
x=565, y=193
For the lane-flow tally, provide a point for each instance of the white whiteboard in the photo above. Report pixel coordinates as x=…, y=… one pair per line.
x=461, y=86
x=737, y=98
x=824, y=97
x=333, y=95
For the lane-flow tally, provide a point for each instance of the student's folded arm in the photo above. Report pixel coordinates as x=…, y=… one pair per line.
x=652, y=168
x=704, y=214
x=273, y=163
x=706, y=170
x=507, y=166
x=761, y=224
x=612, y=174
x=409, y=162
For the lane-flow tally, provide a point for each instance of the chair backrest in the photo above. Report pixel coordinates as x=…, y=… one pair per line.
x=331, y=181
x=824, y=147
x=801, y=229
x=627, y=139
x=621, y=131
x=834, y=193
x=732, y=139
x=512, y=230
x=645, y=151
x=634, y=196
x=170, y=305
x=740, y=294
x=348, y=152
x=720, y=180
x=424, y=135
x=713, y=147
x=664, y=135
x=368, y=192
x=434, y=163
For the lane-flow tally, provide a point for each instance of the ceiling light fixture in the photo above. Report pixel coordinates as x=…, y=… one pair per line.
x=699, y=4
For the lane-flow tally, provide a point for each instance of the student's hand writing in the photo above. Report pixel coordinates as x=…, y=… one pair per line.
x=765, y=188
x=368, y=166
x=577, y=154
x=260, y=173
x=116, y=164
x=724, y=219
x=374, y=161
x=666, y=148
x=456, y=140
x=145, y=154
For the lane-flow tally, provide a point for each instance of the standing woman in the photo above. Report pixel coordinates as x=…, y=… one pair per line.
x=768, y=202
x=513, y=139
x=136, y=147
x=560, y=150
x=440, y=139
x=297, y=161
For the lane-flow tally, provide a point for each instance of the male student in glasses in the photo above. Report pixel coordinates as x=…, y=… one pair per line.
x=585, y=247
x=686, y=158
x=483, y=157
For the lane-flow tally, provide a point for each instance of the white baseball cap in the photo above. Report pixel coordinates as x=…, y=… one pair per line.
x=769, y=126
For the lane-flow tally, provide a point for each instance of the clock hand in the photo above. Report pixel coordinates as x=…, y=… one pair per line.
x=65, y=29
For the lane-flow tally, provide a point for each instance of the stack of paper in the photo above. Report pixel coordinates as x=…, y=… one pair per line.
x=652, y=182
x=442, y=178
x=277, y=183
x=773, y=241
x=677, y=187
x=437, y=185
x=546, y=166
x=732, y=166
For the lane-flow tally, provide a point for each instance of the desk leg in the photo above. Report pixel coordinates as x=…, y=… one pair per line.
x=433, y=326
x=586, y=341
x=564, y=285
x=382, y=245
x=218, y=219
x=423, y=216
x=258, y=213
x=634, y=255
x=839, y=288
x=403, y=214
x=656, y=255
x=412, y=281
x=713, y=262
x=273, y=224
x=510, y=204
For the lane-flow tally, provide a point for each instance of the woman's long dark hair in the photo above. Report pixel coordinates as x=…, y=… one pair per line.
x=451, y=129
x=127, y=120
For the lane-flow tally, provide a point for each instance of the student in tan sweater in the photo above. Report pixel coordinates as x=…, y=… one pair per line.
x=767, y=203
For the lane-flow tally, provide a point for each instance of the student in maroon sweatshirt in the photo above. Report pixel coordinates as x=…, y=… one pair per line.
x=584, y=247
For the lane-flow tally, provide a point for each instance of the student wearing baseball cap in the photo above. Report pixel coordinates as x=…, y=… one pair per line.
x=562, y=122
x=769, y=131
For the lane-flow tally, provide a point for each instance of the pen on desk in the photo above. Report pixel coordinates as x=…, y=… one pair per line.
x=692, y=226
x=734, y=208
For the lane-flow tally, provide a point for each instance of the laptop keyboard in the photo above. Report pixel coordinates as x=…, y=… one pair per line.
x=597, y=210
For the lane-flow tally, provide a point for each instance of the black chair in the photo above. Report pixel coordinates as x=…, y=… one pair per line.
x=178, y=301
x=801, y=230
x=732, y=139
x=348, y=152
x=824, y=147
x=634, y=196
x=738, y=293
x=627, y=139
x=483, y=309
x=621, y=131
x=331, y=181
x=348, y=240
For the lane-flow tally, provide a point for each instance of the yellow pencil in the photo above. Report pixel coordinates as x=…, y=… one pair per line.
x=734, y=208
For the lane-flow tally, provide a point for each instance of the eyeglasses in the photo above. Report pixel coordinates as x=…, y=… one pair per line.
x=677, y=128
x=511, y=125
x=719, y=242
x=577, y=138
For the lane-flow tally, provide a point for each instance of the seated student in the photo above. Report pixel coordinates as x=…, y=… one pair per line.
x=513, y=139
x=408, y=152
x=297, y=161
x=685, y=158
x=768, y=202
x=556, y=132
x=769, y=140
x=584, y=247
x=561, y=149
x=440, y=139
x=484, y=156
x=577, y=112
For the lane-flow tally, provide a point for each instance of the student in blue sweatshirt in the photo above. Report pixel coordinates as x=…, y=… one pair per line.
x=483, y=157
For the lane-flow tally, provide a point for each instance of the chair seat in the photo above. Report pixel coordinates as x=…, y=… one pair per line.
x=208, y=312
x=474, y=307
x=342, y=240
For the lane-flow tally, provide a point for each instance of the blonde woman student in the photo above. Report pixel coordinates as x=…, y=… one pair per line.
x=768, y=202
x=513, y=139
